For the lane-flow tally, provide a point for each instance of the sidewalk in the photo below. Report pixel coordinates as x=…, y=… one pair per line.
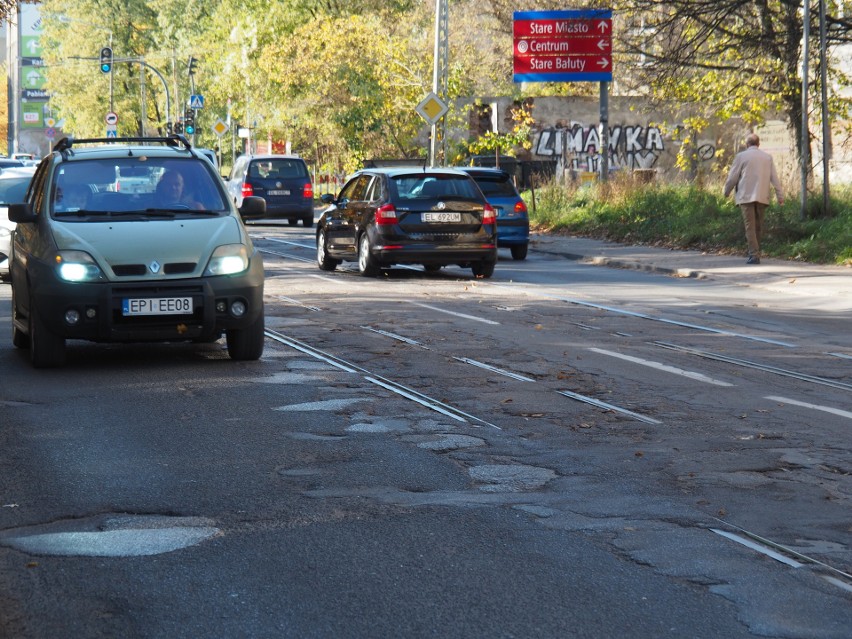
x=780, y=276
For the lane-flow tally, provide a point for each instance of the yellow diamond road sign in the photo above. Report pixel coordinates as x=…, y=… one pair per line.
x=432, y=108
x=220, y=128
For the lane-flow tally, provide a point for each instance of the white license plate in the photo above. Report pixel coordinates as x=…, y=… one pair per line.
x=441, y=217
x=279, y=192
x=156, y=306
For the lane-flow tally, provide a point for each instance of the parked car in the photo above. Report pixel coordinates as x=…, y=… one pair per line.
x=169, y=260
x=282, y=180
x=7, y=163
x=13, y=188
x=210, y=154
x=412, y=215
x=513, y=222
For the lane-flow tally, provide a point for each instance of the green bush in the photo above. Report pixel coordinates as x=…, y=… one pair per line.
x=689, y=217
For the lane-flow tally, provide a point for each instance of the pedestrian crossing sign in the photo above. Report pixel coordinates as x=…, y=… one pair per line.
x=196, y=102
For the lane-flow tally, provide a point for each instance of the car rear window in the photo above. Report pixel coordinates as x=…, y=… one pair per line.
x=420, y=186
x=278, y=168
x=497, y=186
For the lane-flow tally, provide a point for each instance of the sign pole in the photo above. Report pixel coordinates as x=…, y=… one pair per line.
x=604, y=131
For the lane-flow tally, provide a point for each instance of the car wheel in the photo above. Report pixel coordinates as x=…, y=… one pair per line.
x=46, y=349
x=19, y=338
x=431, y=268
x=323, y=260
x=292, y=221
x=246, y=344
x=308, y=222
x=367, y=265
x=519, y=252
x=483, y=269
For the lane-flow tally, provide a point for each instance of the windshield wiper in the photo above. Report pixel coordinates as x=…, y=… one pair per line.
x=81, y=213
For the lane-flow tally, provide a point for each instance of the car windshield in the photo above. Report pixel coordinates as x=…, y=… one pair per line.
x=13, y=190
x=136, y=186
x=420, y=186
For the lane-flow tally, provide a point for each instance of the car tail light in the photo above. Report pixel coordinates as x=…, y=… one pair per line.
x=386, y=215
x=488, y=215
x=520, y=207
x=308, y=191
x=247, y=189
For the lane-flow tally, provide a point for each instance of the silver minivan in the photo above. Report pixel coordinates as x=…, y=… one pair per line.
x=133, y=240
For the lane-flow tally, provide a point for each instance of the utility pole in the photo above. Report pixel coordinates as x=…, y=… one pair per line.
x=439, y=80
x=805, y=141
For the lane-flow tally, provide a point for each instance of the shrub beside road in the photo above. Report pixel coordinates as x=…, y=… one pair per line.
x=690, y=217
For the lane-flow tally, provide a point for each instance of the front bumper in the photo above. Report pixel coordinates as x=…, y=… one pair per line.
x=98, y=305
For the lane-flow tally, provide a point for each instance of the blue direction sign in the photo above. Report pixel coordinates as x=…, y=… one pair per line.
x=196, y=102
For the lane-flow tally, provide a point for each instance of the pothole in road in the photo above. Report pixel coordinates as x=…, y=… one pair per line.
x=510, y=477
x=115, y=535
x=450, y=442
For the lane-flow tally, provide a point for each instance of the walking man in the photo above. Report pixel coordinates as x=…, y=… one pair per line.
x=751, y=175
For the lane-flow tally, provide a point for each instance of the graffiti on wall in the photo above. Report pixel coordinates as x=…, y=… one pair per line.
x=630, y=146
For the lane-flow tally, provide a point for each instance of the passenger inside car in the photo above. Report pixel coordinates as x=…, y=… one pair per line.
x=73, y=197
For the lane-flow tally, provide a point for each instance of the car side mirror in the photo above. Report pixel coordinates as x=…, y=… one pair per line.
x=327, y=198
x=21, y=213
x=253, y=207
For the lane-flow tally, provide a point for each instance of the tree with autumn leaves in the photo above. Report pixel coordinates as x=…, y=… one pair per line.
x=341, y=79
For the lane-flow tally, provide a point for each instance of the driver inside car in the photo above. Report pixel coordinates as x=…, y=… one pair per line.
x=170, y=192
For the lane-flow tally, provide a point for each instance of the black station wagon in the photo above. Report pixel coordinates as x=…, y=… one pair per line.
x=412, y=215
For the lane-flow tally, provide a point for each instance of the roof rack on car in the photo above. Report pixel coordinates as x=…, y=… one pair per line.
x=64, y=144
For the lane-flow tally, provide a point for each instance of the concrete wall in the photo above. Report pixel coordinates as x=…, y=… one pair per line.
x=567, y=130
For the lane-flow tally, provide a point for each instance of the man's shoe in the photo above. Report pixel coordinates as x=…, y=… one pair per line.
x=753, y=260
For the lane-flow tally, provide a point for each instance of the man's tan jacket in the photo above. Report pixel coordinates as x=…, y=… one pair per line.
x=752, y=173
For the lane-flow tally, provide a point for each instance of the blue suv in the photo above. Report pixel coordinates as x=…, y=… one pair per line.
x=513, y=222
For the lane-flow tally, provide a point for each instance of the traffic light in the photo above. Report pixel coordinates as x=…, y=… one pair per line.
x=192, y=63
x=106, y=59
x=178, y=127
x=189, y=121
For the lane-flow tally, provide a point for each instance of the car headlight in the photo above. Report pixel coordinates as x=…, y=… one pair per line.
x=77, y=266
x=228, y=260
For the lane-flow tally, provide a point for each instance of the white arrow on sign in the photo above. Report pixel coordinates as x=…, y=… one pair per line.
x=603, y=62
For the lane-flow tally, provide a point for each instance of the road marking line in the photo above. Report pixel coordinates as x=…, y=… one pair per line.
x=663, y=367
x=463, y=315
x=621, y=311
x=825, y=409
